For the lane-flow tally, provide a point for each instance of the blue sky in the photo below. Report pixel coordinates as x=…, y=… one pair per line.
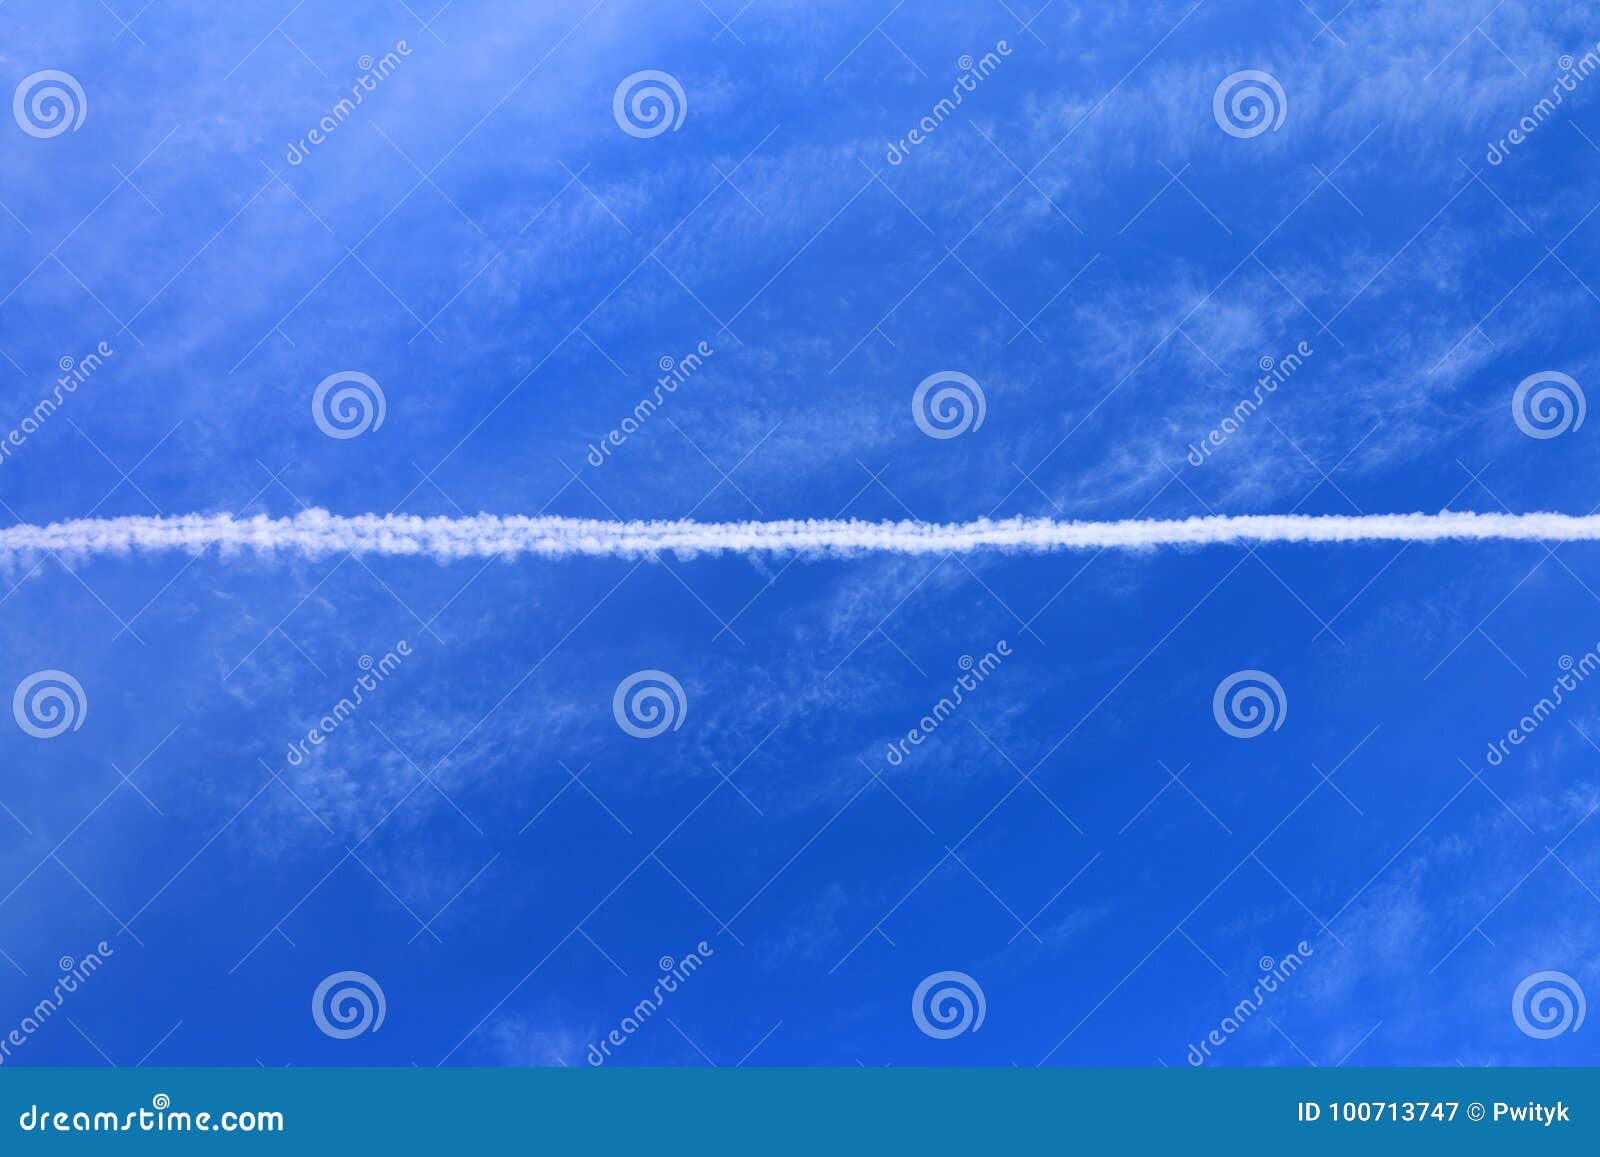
x=1083, y=239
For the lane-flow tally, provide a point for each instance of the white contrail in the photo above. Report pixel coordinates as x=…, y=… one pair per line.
x=316, y=533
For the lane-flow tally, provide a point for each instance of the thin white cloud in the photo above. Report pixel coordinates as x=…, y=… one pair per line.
x=316, y=532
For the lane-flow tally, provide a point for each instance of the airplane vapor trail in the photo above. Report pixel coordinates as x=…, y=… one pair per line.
x=315, y=533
